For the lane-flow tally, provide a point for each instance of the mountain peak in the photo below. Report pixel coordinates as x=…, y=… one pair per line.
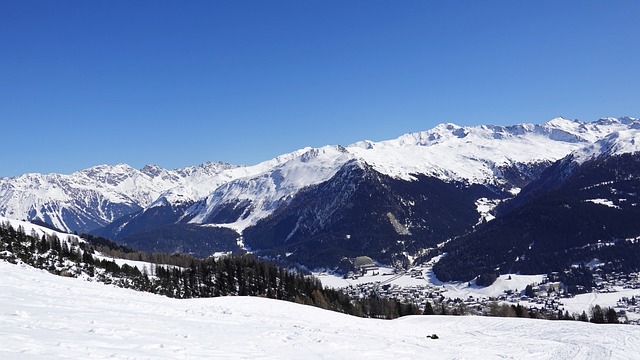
x=107, y=169
x=151, y=170
x=563, y=122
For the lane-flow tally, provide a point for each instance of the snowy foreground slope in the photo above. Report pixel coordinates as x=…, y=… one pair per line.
x=44, y=316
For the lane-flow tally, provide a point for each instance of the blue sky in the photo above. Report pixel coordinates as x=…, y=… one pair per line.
x=177, y=83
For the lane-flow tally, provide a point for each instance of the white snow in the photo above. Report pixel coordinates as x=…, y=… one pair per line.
x=43, y=317
x=38, y=231
x=449, y=289
x=484, y=207
x=625, y=141
x=604, y=202
x=584, y=302
x=143, y=266
x=385, y=275
x=504, y=283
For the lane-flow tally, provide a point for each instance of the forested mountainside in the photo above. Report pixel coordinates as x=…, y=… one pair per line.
x=574, y=214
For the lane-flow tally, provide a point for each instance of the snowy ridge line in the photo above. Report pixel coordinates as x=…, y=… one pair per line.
x=473, y=153
x=263, y=193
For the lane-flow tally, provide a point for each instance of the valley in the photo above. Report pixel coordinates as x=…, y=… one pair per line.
x=485, y=201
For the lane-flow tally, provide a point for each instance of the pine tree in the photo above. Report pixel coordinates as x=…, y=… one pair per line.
x=443, y=310
x=597, y=315
x=583, y=317
x=612, y=316
x=567, y=316
x=428, y=309
x=528, y=291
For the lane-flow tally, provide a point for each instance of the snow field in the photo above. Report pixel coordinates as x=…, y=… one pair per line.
x=43, y=316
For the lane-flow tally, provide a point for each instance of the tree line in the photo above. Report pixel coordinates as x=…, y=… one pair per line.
x=183, y=276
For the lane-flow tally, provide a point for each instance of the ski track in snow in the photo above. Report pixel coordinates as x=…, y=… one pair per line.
x=43, y=316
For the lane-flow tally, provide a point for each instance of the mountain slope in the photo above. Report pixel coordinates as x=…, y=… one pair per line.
x=362, y=212
x=35, y=230
x=197, y=240
x=160, y=214
x=585, y=206
x=240, y=203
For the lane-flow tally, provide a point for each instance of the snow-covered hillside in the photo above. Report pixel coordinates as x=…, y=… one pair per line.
x=259, y=195
x=35, y=230
x=621, y=142
x=44, y=316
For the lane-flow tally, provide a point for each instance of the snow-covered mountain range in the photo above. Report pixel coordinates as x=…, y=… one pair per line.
x=477, y=154
x=486, y=155
x=502, y=159
x=94, y=197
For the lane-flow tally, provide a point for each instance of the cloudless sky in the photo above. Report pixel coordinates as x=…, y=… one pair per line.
x=178, y=83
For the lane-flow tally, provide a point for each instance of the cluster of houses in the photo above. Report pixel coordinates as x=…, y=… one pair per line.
x=546, y=298
x=608, y=282
x=630, y=305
